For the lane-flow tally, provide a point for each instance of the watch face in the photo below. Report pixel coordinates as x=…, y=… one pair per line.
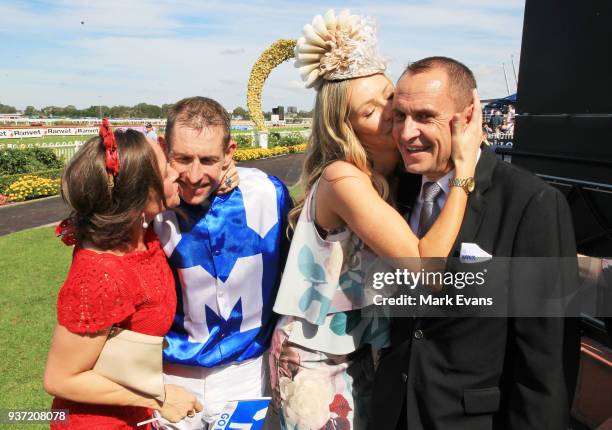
x=471, y=185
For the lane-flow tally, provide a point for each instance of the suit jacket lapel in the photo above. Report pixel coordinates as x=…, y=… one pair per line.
x=410, y=186
x=477, y=205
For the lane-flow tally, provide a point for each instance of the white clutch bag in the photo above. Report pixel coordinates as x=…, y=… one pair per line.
x=133, y=360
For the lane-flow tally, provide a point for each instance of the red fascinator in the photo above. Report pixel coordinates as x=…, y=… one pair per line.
x=66, y=231
x=110, y=146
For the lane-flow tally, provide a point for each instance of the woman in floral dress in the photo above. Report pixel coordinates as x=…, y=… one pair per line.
x=323, y=351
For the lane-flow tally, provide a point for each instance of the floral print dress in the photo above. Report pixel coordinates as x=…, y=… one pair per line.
x=321, y=358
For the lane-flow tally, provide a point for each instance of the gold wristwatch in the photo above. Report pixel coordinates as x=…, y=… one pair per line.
x=468, y=184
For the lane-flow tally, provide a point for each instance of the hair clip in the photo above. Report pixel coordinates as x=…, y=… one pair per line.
x=110, y=148
x=66, y=232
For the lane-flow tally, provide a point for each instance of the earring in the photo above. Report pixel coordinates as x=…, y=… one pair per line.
x=145, y=224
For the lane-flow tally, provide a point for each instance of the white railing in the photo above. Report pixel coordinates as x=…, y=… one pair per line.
x=64, y=150
x=25, y=121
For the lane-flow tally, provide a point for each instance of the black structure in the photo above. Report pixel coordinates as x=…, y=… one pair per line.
x=564, y=128
x=280, y=111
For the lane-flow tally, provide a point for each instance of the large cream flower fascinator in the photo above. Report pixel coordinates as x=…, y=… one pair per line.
x=338, y=47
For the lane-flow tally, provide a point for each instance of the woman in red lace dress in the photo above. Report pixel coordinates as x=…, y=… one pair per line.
x=119, y=276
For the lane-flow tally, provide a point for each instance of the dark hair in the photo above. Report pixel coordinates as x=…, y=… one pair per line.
x=198, y=113
x=106, y=215
x=461, y=80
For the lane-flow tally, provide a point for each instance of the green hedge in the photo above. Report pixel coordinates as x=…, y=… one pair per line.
x=7, y=180
x=276, y=139
x=243, y=140
x=28, y=160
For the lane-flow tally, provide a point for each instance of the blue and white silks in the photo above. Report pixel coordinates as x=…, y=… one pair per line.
x=227, y=258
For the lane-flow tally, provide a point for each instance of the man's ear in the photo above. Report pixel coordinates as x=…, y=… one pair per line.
x=466, y=114
x=229, y=152
x=162, y=142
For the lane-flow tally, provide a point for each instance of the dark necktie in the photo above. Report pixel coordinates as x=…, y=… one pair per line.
x=430, y=210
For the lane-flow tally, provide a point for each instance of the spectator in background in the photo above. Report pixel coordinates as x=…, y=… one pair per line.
x=509, y=127
x=503, y=129
x=150, y=133
x=496, y=121
x=511, y=113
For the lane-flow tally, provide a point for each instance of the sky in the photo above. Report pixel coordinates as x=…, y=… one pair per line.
x=124, y=52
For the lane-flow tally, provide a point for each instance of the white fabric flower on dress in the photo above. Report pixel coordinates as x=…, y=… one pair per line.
x=306, y=399
x=336, y=48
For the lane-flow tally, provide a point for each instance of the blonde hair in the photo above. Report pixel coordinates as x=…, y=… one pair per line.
x=332, y=139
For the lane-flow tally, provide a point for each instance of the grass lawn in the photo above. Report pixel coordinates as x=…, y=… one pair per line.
x=295, y=191
x=33, y=264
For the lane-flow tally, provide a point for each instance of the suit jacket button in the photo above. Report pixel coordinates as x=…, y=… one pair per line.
x=404, y=377
x=418, y=334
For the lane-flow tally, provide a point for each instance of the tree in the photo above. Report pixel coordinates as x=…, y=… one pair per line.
x=91, y=112
x=145, y=110
x=305, y=114
x=70, y=111
x=165, y=108
x=31, y=111
x=120, y=112
x=242, y=112
x=50, y=110
x=7, y=109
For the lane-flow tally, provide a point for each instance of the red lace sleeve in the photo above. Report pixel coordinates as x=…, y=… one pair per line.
x=95, y=296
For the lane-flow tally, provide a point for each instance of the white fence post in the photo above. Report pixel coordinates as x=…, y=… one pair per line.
x=262, y=139
x=65, y=150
